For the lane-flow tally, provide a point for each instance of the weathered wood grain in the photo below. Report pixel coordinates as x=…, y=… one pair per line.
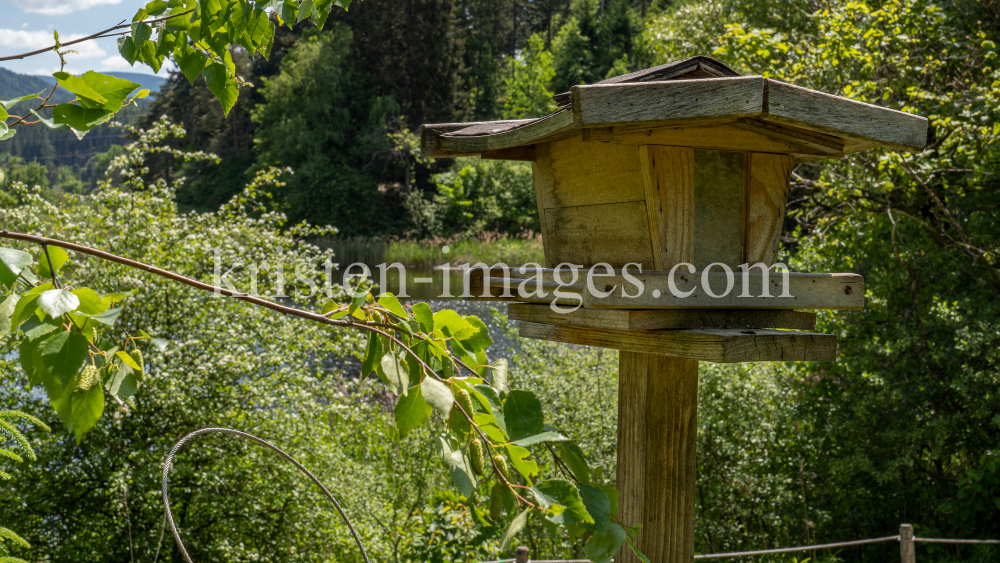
x=822, y=144
x=614, y=233
x=728, y=135
x=578, y=173
x=711, y=345
x=668, y=180
x=541, y=176
x=807, y=291
x=658, y=400
x=660, y=102
x=767, y=194
x=817, y=111
x=526, y=153
x=533, y=131
x=670, y=319
x=719, y=207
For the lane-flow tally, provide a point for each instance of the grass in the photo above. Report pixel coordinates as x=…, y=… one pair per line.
x=491, y=248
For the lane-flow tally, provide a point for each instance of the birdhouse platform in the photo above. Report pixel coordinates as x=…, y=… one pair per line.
x=678, y=170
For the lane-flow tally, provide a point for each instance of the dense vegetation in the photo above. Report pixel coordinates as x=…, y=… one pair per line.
x=902, y=427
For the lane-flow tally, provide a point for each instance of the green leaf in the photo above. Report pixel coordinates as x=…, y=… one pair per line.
x=523, y=414
x=372, y=354
x=192, y=62
x=3, y=116
x=562, y=502
x=539, y=438
x=601, y=547
x=64, y=354
x=78, y=86
x=80, y=118
x=395, y=370
x=516, y=525
x=438, y=395
x=12, y=262
x=141, y=32
x=598, y=506
x=458, y=466
x=390, y=302
x=7, y=308
x=86, y=408
x=422, y=312
x=220, y=83
x=495, y=405
x=123, y=383
x=612, y=494
x=452, y=324
x=5, y=133
x=126, y=47
x=109, y=318
x=50, y=123
x=127, y=360
x=572, y=456
x=58, y=302
x=481, y=339
x=12, y=101
x=115, y=89
x=411, y=411
x=519, y=459
x=498, y=375
x=25, y=307
x=58, y=257
x=90, y=301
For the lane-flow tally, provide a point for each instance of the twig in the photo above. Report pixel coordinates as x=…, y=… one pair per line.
x=97, y=35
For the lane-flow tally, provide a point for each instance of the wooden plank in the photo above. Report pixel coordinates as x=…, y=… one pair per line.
x=767, y=194
x=579, y=173
x=804, y=291
x=541, y=175
x=533, y=131
x=668, y=177
x=658, y=402
x=711, y=345
x=601, y=105
x=807, y=291
x=722, y=136
x=533, y=292
x=672, y=319
x=719, y=207
x=825, y=144
x=526, y=153
x=614, y=233
x=802, y=107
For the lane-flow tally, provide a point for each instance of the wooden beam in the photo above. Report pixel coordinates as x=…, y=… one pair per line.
x=670, y=319
x=807, y=291
x=834, y=115
x=526, y=153
x=726, y=135
x=555, y=125
x=818, y=142
x=657, y=426
x=668, y=178
x=711, y=345
x=767, y=194
x=602, y=105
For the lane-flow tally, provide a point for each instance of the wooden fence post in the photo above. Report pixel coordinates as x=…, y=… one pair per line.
x=521, y=556
x=907, y=547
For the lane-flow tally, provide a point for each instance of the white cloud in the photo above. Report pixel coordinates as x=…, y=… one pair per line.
x=119, y=63
x=32, y=40
x=59, y=7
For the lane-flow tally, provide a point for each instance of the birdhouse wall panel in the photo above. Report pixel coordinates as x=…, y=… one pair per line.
x=767, y=194
x=615, y=233
x=668, y=177
x=719, y=207
x=576, y=173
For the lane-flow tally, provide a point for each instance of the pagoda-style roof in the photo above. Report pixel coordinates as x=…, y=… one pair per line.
x=697, y=102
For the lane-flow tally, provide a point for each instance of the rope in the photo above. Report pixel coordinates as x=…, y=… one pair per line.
x=800, y=548
x=185, y=439
x=939, y=540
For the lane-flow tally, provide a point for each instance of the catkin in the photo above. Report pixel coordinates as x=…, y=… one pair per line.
x=501, y=463
x=496, y=501
x=477, y=455
x=465, y=401
x=88, y=379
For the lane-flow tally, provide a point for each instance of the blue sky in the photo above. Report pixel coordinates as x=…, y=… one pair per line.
x=26, y=25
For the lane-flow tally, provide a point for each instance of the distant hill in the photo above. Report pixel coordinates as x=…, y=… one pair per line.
x=53, y=148
x=149, y=81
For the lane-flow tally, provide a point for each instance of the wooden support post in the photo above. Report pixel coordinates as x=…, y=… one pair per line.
x=522, y=554
x=907, y=547
x=657, y=414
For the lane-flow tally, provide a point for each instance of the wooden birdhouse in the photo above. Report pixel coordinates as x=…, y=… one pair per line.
x=682, y=171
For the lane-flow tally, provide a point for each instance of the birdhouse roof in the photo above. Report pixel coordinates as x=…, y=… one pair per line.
x=697, y=102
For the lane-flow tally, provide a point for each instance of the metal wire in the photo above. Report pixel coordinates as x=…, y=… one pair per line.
x=265, y=443
x=800, y=548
